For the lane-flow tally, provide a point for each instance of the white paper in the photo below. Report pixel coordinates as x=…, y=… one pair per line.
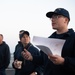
x=45, y=49
x=51, y=45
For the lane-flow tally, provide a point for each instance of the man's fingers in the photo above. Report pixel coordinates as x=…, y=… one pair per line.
x=25, y=50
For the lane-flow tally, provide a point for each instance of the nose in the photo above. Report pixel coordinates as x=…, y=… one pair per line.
x=52, y=19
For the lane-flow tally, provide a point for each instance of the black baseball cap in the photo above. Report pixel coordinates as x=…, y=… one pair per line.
x=58, y=11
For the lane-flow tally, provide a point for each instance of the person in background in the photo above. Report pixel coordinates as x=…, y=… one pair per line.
x=55, y=64
x=4, y=56
x=22, y=66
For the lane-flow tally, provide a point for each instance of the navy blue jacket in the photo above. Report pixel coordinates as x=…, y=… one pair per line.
x=27, y=66
x=4, y=57
x=68, y=53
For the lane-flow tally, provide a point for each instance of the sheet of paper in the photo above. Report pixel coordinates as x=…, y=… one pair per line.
x=45, y=49
x=55, y=45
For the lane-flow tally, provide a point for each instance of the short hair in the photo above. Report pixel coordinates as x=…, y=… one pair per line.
x=1, y=35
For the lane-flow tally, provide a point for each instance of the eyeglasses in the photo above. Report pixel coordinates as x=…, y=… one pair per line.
x=56, y=16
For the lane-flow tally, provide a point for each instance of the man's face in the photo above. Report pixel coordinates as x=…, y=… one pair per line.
x=25, y=39
x=1, y=39
x=58, y=21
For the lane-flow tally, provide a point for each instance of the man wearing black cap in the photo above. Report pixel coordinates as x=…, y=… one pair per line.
x=55, y=64
x=22, y=66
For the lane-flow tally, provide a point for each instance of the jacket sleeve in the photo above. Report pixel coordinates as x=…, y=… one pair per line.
x=69, y=63
x=14, y=57
x=6, y=57
x=39, y=70
x=42, y=62
x=17, y=51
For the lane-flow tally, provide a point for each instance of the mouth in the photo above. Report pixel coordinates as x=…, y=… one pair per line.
x=53, y=24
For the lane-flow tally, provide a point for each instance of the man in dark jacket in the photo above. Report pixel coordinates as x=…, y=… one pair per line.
x=27, y=67
x=4, y=56
x=55, y=64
